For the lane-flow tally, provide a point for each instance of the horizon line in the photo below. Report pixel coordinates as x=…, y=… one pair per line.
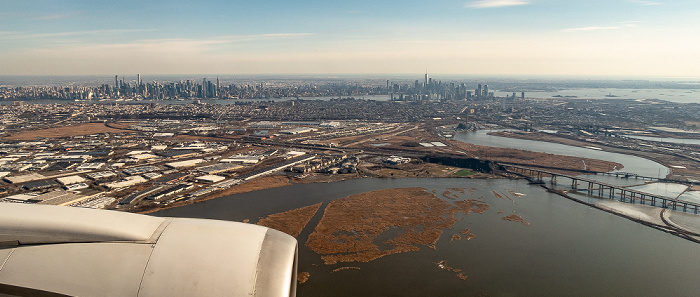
x=417, y=74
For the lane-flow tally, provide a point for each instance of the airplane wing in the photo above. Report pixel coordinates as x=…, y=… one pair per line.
x=64, y=251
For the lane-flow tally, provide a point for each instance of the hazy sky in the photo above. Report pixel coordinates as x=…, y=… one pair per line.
x=488, y=37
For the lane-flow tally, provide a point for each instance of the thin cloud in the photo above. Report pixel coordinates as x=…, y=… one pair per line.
x=182, y=44
x=496, y=3
x=598, y=28
x=24, y=35
x=59, y=16
x=646, y=2
x=92, y=32
x=270, y=36
x=167, y=42
x=275, y=35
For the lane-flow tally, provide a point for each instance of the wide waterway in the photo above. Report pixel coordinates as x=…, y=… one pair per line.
x=667, y=139
x=632, y=164
x=568, y=249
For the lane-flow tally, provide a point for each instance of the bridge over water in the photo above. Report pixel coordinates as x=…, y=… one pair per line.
x=637, y=176
x=605, y=190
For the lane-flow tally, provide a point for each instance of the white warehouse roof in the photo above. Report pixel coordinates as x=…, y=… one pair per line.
x=69, y=180
x=187, y=163
x=211, y=178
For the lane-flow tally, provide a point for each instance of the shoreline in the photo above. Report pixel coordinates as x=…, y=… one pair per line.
x=668, y=228
x=365, y=170
x=659, y=158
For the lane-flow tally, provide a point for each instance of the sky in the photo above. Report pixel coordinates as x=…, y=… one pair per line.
x=611, y=38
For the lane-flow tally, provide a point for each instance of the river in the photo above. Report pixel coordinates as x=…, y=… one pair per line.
x=569, y=249
x=632, y=164
x=667, y=139
x=672, y=95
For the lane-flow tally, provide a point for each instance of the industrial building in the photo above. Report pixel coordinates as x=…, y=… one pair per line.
x=299, y=130
x=68, y=180
x=40, y=185
x=140, y=170
x=56, y=197
x=211, y=178
x=182, y=164
x=219, y=168
x=18, y=179
x=177, y=153
x=127, y=182
x=243, y=159
x=90, y=166
x=100, y=175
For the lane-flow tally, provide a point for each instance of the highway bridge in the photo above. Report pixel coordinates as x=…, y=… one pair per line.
x=604, y=190
x=628, y=175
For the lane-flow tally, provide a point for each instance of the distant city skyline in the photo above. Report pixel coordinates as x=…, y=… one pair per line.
x=613, y=38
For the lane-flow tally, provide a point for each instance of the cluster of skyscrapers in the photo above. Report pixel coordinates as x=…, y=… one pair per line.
x=155, y=90
x=130, y=89
x=430, y=89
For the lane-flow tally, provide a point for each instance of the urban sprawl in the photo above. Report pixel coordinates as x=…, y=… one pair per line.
x=118, y=146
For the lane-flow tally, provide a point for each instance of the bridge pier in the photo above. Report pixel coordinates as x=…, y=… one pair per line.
x=613, y=190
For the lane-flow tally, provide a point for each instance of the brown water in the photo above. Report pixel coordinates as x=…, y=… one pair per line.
x=567, y=250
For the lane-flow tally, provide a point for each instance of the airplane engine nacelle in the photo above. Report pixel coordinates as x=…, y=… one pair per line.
x=64, y=251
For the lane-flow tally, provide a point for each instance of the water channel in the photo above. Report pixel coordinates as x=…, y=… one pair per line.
x=667, y=139
x=569, y=249
x=632, y=164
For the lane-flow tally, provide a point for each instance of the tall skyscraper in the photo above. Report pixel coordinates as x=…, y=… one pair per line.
x=116, y=85
x=426, y=77
x=138, y=79
x=486, y=91
x=211, y=90
x=204, y=87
